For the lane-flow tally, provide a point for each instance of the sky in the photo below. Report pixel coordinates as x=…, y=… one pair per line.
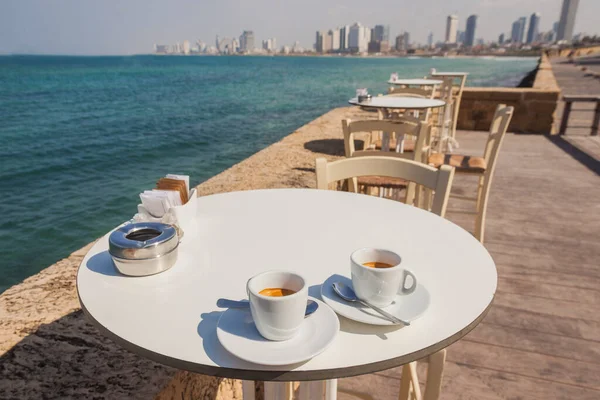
x=97, y=27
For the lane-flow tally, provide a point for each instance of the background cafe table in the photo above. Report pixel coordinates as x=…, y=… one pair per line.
x=416, y=82
x=394, y=102
x=171, y=317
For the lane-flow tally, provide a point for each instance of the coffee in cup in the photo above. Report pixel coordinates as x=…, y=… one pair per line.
x=277, y=303
x=377, y=276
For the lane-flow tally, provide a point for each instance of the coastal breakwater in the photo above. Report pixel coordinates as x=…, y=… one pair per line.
x=535, y=107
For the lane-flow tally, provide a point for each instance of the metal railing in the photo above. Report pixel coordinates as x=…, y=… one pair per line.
x=569, y=100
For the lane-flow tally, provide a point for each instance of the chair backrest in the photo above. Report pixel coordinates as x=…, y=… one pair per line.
x=411, y=92
x=498, y=129
x=402, y=126
x=438, y=180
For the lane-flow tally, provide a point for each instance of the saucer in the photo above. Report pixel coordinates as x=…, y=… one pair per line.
x=238, y=335
x=407, y=307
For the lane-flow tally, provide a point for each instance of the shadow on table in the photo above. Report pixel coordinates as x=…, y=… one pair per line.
x=207, y=329
x=102, y=263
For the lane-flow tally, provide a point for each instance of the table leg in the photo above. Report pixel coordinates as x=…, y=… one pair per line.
x=277, y=391
x=399, y=143
x=248, y=392
x=385, y=141
x=331, y=389
x=311, y=390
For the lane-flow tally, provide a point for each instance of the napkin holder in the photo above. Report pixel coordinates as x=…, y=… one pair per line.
x=182, y=217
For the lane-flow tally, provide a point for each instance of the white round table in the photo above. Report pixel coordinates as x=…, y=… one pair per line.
x=409, y=103
x=416, y=82
x=171, y=317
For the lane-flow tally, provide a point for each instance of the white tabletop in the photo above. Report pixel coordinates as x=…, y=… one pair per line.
x=419, y=82
x=171, y=317
x=398, y=102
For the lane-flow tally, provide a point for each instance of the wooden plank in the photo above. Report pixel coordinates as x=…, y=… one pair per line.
x=569, y=280
x=465, y=382
x=533, y=287
x=556, y=308
x=574, y=98
x=526, y=364
x=536, y=341
x=543, y=323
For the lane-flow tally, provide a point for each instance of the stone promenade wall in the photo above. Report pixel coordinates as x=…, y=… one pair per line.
x=535, y=108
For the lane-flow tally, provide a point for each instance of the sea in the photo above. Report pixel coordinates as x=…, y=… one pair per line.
x=81, y=137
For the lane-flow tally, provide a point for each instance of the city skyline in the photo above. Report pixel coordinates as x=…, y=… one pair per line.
x=70, y=27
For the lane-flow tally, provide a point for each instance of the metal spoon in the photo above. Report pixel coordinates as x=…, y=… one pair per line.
x=346, y=293
x=311, y=306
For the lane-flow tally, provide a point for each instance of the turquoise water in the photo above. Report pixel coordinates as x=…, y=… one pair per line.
x=82, y=136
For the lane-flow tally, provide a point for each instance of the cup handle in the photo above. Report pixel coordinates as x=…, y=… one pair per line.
x=412, y=288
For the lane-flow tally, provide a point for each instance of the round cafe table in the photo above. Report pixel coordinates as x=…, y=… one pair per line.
x=171, y=317
x=383, y=103
x=416, y=82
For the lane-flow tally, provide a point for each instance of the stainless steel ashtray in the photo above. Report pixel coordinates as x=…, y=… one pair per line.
x=144, y=248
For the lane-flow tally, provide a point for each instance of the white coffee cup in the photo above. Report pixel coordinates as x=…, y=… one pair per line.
x=277, y=318
x=379, y=286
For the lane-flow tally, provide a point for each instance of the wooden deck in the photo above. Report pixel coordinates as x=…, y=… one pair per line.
x=541, y=338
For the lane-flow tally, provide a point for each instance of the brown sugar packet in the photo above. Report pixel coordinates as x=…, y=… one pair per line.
x=173, y=184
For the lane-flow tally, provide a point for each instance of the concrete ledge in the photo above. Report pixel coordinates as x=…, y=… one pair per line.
x=535, y=108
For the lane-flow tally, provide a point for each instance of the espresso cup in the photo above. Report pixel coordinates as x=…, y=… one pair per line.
x=277, y=318
x=379, y=286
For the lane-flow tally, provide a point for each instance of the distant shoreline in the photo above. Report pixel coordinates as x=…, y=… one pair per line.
x=387, y=56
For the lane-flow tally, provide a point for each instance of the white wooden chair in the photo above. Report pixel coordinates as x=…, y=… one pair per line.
x=483, y=167
x=442, y=118
x=458, y=84
x=398, y=128
x=414, y=149
x=421, y=93
x=437, y=180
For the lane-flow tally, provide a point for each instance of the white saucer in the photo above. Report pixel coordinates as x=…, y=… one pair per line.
x=406, y=307
x=237, y=333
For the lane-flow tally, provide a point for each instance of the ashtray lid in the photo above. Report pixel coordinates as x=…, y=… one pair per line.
x=142, y=240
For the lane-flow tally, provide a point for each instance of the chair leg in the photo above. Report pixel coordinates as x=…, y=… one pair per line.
x=435, y=373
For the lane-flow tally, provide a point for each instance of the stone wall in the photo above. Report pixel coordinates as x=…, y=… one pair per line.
x=535, y=108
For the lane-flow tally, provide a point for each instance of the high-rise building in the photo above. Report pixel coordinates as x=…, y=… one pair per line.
x=501, y=38
x=555, y=27
x=344, y=32
x=319, y=41
x=407, y=40
x=534, y=28
x=381, y=33
x=327, y=42
x=430, y=40
x=566, y=25
x=451, y=28
x=400, y=42
x=518, y=30
x=186, y=47
x=470, y=32
x=270, y=45
x=460, y=36
x=335, y=39
x=359, y=38
x=247, y=41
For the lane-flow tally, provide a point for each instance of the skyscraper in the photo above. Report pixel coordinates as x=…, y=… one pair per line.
x=381, y=33
x=451, y=28
x=430, y=40
x=335, y=39
x=534, y=27
x=247, y=41
x=470, y=32
x=319, y=42
x=501, y=38
x=344, y=31
x=518, y=30
x=567, y=20
x=358, y=38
